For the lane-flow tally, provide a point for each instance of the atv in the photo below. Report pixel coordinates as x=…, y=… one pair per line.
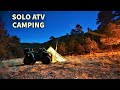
x=41, y=55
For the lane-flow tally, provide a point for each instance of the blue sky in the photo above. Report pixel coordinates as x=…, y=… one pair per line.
x=57, y=23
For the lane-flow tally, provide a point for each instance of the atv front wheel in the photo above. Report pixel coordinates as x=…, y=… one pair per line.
x=29, y=60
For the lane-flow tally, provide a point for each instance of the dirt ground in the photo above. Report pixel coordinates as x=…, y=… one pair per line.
x=94, y=66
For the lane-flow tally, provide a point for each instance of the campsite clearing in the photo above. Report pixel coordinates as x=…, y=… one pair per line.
x=94, y=66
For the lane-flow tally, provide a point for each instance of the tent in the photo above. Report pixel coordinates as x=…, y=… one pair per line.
x=56, y=57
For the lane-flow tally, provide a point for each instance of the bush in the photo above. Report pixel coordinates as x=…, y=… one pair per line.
x=9, y=45
x=90, y=46
x=80, y=49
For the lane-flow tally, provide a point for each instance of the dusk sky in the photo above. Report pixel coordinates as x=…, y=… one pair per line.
x=57, y=23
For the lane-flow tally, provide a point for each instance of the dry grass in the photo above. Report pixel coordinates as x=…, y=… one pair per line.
x=94, y=66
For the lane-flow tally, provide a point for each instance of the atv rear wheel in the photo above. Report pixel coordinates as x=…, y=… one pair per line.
x=46, y=60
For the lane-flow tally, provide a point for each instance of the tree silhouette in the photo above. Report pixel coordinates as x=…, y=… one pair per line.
x=52, y=38
x=77, y=31
x=104, y=17
x=78, y=26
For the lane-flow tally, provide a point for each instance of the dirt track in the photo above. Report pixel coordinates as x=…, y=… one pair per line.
x=95, y=66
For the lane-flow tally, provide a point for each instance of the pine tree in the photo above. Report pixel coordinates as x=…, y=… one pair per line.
x=104, y=17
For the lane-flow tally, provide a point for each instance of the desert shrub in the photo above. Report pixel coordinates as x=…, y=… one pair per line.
x=62, y=48
x=9, y=45
x=78, y=49
x=90, y=46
